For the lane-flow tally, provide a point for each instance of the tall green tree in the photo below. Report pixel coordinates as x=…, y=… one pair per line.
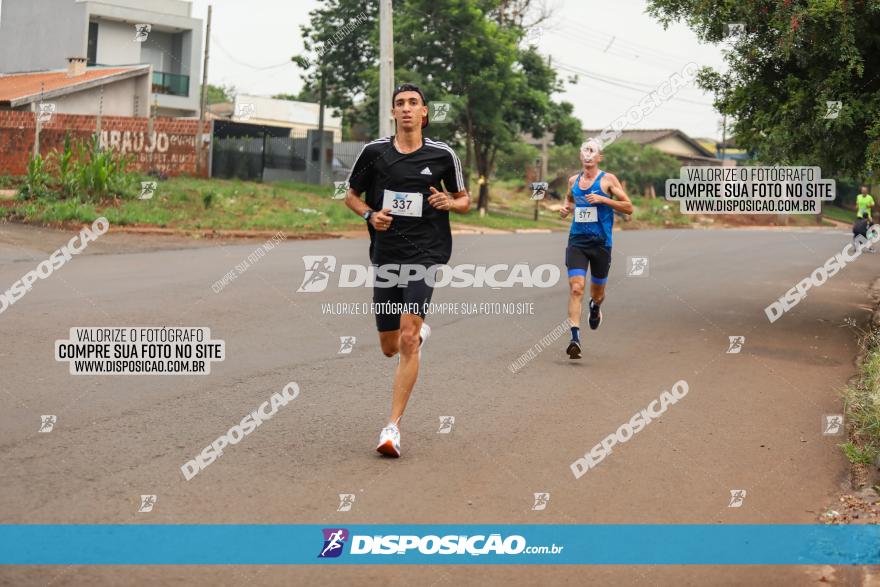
x=346, y=63
x=459, y=51
x=304, y=95
x=793, y=57
x=638, y=165
x=221, y=94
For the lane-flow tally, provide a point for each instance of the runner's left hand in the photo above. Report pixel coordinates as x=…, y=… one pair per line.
x=440, y=200
x=595, y=198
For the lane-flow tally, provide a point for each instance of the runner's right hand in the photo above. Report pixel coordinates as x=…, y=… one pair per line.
x=564, y=211
x=381, y=220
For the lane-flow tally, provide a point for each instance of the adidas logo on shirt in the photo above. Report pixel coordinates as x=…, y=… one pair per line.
x=426, y=171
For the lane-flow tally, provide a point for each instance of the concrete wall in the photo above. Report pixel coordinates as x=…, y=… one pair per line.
x=175, y=7
x=164, y=52
x=166, y=16
x=116, y=44
x=174, y=33
x=41, y=34
x=176, y=106
x=119, y=99
x=176, y=66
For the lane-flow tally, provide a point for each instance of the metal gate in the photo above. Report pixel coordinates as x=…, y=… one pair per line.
x=269, y=158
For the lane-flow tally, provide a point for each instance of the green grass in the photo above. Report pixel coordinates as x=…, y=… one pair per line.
x=9, y=182
x=658, y=212
x=198, y=204
x=510, y=196
x=499, y=220
x=186, y=203
x=514, y=196
x=838, y=213
x=862, y=406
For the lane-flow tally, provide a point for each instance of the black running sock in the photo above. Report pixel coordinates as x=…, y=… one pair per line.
x=575, y=334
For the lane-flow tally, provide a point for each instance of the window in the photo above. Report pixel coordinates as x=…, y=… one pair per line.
x=93, y=43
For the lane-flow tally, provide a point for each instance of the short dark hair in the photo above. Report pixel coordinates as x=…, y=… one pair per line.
x=409, y=88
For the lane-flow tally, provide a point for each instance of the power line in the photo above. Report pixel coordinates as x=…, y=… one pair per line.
x=248, y=65
x=620, y=83
x=623, y=52
x=645, y=49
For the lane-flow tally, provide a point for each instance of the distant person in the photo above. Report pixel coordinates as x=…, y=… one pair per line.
x=593, y=196
x=865, y=204
x=860, y=228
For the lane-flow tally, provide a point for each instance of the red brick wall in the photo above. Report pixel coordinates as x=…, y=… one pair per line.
x=170, y=149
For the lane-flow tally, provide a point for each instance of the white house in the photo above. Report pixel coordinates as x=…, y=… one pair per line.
x=299, y=117
x=41, y=35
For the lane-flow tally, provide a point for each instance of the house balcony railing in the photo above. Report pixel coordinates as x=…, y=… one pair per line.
x=172, y=84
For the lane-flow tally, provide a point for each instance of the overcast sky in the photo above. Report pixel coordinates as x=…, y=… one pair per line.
x=252, y=43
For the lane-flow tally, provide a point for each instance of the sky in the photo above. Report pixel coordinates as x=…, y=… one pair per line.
x=252, y=42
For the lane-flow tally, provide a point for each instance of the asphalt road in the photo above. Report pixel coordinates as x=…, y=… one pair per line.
x=751, y=421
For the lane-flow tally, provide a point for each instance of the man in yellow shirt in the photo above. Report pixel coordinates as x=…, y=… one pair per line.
x=865, y=203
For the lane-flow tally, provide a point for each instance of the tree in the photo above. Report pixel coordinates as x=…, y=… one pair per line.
x=793, y=58
x=514, y=160
x=304, y=95
x=638, y=165
x=221, y=94
x=522, y=13
x=458, y=51
x=347, y=63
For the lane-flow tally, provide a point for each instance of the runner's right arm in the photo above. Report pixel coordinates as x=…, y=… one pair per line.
x=569, y=197
x=359, y=181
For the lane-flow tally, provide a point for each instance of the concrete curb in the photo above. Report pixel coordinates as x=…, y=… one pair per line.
x=206, y=233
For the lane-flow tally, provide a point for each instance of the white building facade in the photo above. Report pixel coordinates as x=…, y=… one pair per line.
x=39, y=35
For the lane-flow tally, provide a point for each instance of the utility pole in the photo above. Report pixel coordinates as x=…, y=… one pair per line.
x=203, y=101
x=322, y=168
x=38, y=123
x=386, y=67
x=545, y=154
x=540, y=164
x=545, y=140
x=98, y=121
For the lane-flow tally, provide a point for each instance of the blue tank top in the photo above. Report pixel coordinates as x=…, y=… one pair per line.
x=600, y=217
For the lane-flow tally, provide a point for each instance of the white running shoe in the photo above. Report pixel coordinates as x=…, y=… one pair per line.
x=389, y=441
x=424, y=333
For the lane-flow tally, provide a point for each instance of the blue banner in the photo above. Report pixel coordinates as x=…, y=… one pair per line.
x=252, y=544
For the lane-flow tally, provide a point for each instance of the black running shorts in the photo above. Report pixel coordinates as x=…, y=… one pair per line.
x=595, y=258
x=391, y=302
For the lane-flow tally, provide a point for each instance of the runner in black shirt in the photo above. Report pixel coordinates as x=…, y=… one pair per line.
x=407, y=210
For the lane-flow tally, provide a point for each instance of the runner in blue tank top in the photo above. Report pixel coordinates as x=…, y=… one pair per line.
x=589, y=241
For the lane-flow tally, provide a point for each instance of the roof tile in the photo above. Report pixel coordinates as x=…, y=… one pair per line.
x=19, y=85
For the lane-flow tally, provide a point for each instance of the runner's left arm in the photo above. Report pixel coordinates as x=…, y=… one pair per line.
x=455, y=198
x=620, y=203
